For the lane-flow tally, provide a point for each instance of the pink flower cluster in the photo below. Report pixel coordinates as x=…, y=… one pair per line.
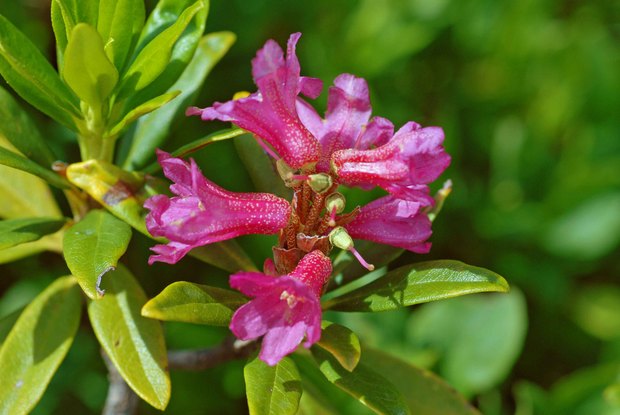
x=314, y=156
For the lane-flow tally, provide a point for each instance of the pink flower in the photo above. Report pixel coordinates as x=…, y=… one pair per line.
x=413, y=157
x=202, y=212
x=284, y=309
x=270, y=113
x=395, y=222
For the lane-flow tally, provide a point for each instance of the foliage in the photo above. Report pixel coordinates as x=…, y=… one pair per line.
x=526, y=92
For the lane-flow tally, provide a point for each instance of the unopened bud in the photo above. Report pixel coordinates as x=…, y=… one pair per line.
x=320, y=182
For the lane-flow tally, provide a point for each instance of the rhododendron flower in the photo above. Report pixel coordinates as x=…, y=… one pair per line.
x=284, y=309
x=202, y=212
x=270, y=113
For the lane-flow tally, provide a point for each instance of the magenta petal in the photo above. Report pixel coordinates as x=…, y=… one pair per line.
x=203, y=212
x=270, y=113
x=393, y=222
x=252, y=284
x=170, y=253
x=378, y=132
x=281, y=341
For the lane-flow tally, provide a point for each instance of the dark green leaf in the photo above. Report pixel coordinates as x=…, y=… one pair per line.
x=194, y=303
x=227, y=255
x=425, y=392
x=141, y=110
x=135, y=344
x=93, y=247
x=156, y=55
x=6, y=324
x=260, y=167
x=120, y=23
x=21, y=132
x=30, y=74
x=87, y=69
x=18, y=231
x=37, y=344
x=16, y=161
x=154, y=128
x=419, y=283
x=367, y=386
x=272, y=390
x=342, y=343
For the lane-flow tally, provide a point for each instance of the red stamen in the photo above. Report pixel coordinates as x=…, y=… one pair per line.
x=362, y=261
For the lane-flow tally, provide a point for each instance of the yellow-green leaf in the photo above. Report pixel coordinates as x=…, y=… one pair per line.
x=87, y=69
x=135, y=344
x=17, y=161
x=18, y=231
x=272, y=390
x=119, y=23
x=93, y=247
x=37, y=344
x=342, y=343
x=194, y=303
x=419, y=283
x=141, y=110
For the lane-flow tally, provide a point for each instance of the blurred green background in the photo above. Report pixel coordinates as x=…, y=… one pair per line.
x=528, y=93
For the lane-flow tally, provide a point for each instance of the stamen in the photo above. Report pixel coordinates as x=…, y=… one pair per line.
x=332, y=217
x=362, y=261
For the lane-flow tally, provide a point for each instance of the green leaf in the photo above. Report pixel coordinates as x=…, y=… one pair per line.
x=93, y=247
x=424, y=392
x=120, y=23
x=141, y=110
x=30, y=74
x=198, y=144
x=18, y=231
x=478, y=339
x=87, y=69
x=156, y=55
x=6, y=324
x=23, y=194
x=37, y=344
x=16, y=161
x=154, y=128
x=342, y=343
x=51, y=243
x=193, y=303
x=227, y=255
x=120, y=192
x=135, y=344
x=367, y=386
x=66, y=14
x=260, y=167
x=419, y=283
x=166, y=14
x=272, y=390
x=17, y=127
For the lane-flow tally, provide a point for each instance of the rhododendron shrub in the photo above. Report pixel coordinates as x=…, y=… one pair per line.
x=116, y=70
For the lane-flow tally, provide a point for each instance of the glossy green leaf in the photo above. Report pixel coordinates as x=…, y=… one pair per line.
x=163, y=17
x=120, y=23
x=30, y=74
x=135, y=344
x=93, y=247
x=156, y=55
x=154, y=128
x=368, y=387
x=16, y=161
x=260, y=167
x=141, y=110
x=342, y=343
x=194, y=303
x=227, y=255
x=18, y=231
x=87, y=69
x=419, y=283
x=272, y=390
x=198, y=144
x=17, y=127
x=122, y=193
x=37, y=344
x=424, y=392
